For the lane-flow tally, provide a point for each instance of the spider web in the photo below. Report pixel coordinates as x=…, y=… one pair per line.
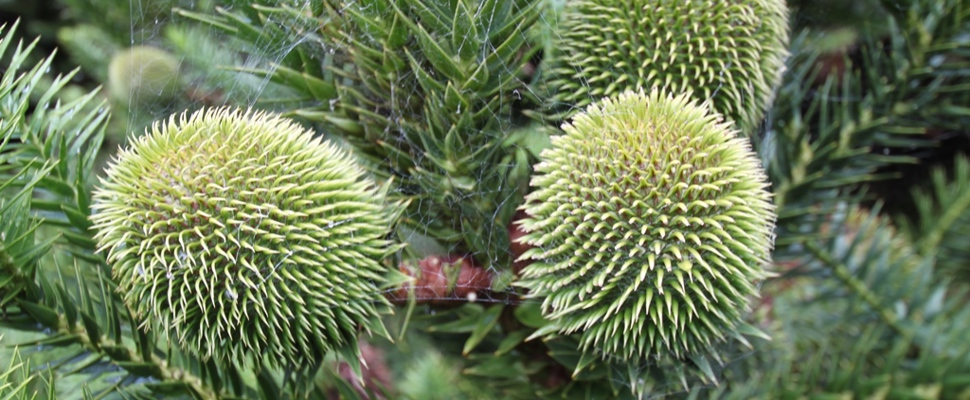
x=206, y=58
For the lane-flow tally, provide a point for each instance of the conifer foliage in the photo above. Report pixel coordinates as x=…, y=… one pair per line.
x=419, y=199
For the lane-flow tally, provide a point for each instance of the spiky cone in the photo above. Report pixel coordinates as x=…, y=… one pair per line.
x=430, y=100
x=731, y=53
x=651, y=224
x=237, y=233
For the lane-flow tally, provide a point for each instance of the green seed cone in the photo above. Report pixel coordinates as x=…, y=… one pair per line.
x=651, y=223
x=729, y=52
x=143, y=75
x=239, y=233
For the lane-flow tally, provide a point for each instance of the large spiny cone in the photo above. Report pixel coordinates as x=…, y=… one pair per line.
x=729, y=52
x=238, y=232
x=651, y=224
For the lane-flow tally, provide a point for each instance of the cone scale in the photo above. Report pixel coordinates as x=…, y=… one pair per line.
x=650, y=224
x=730, y=53
x=238, y=233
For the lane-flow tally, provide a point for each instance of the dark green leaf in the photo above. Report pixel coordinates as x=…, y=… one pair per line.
x=486, y=322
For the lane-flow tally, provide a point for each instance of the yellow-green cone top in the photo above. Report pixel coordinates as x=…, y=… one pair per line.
x=730, y=52
x=651, y=224
x=237, y=232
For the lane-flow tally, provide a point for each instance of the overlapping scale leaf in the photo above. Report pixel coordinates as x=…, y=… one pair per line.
x=433, y=86
x=239, y=233
x=18, y=250
x=651, y=223
x=729, y=52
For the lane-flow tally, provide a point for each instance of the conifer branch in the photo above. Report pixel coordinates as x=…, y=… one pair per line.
x=943, y=212
x=163, y=370
x=841, y=271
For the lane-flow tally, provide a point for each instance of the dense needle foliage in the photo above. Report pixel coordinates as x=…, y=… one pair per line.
x=519, y=199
